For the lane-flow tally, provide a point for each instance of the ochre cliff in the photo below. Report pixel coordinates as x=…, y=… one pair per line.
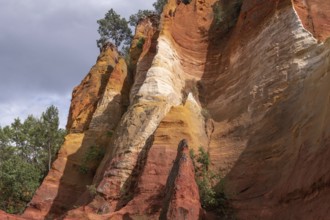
x=314, y=15
x=6, y=216
x=248, y=81
x=97, y=106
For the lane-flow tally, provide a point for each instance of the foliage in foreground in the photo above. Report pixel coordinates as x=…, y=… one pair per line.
x=210, y=185
x=27, y=150
x=18, y=181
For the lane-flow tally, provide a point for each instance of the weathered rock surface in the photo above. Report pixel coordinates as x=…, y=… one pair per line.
x=91, y=124
x=86, y=96
x=315, y=16
x=5, y=216
x=182, y=194
x=252, y=87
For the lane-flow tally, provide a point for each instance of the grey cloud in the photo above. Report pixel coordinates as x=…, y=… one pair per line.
x=47, y=47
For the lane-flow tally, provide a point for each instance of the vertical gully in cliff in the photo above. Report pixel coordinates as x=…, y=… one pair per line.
x=181, y=192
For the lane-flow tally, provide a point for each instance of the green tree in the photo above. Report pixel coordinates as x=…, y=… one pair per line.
x=114, y=27
x=118, y=30
x=159, y=5
x=27, y=150
x=50, y=137
x=6, y=151
x=141, y=14
x=18, y=181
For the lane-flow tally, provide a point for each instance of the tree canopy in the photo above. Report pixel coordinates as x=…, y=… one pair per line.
x=119, y=30
x=27, y=150
x=134, y=19
x=113, y=27
x=159, y=5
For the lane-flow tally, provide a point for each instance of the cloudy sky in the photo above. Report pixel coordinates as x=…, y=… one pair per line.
x=46, y=48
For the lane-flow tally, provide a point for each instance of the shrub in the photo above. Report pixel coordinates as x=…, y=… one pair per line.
x=204, y=178
x=141, y=14
x=109, y=133
x=140, y=42
x=206, y=192
x=210, y=185
x=94, y=153
x=203, y=158
x=91, y=190
x=83, y=169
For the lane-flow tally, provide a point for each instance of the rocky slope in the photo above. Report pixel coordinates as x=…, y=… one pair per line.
x=249, y=81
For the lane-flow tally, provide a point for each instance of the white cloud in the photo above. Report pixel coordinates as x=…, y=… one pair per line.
x=22, y=108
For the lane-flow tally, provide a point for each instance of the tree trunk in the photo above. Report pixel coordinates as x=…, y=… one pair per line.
x=49, y=157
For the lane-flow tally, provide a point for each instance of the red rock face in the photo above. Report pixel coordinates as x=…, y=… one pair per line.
x=315, y=16
x=86, y=96
x=90, y=129
x=182, y=195
x=144, y=194
x=6, y=216
x=255, y=141
x=251, y=87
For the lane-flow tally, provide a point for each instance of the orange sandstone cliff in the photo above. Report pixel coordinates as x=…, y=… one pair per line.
x=249, y=81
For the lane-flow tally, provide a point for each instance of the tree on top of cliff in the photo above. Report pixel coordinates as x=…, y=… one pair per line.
x=159, y=5
x=114, y=27
x=117, y=29
x=141, y=14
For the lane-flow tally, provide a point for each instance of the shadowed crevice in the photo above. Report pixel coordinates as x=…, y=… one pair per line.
x=129, y=188
x=170, y=183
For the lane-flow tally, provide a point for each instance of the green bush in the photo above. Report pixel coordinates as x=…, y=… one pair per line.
x=204, y=179
x=210, y=185
x=19, y=180
x=92, y=190
x=206, y=192
x=140, y=42
x=83, y=169
x=109, y=133
x=203, y=158
x=94, y=153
